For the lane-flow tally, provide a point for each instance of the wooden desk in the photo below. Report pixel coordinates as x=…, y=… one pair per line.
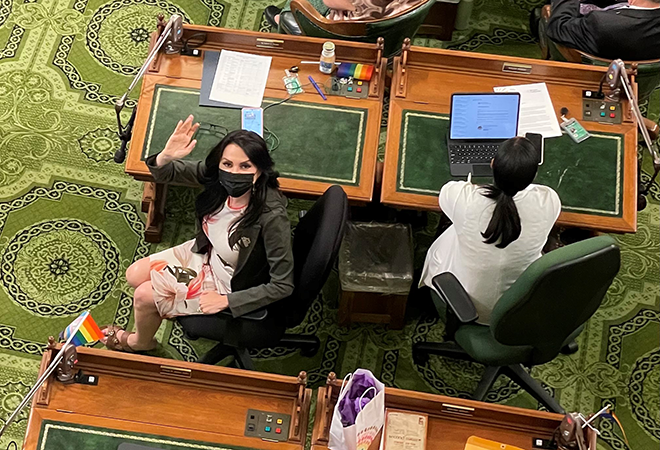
x=286, y=51
x=168, y=399
x=451, y=420
x=598, y=197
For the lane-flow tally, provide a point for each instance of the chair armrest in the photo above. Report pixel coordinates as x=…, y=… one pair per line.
x=309, y=11
x=259, y=314
x=343, y=27
x=451, y=291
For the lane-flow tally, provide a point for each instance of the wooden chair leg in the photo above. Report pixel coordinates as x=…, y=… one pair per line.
x=153, y=203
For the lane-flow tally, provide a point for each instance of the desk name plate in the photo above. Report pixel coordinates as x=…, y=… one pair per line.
x=275, y=44
x=457, y=409
x=178, y=372
x=524, y=69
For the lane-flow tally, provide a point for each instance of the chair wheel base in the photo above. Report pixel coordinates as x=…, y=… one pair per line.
x=310, y=350
x=570, y=348
x=420, y=358
x=215, y=355
x=641, y=202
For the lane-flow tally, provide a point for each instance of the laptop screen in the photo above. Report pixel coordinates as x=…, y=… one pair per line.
x=484, y=116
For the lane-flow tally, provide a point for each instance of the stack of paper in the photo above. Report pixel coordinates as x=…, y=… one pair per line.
x=240, y=79
x=537, y=115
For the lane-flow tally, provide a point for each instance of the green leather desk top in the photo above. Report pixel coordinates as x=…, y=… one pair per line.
x=588, y=176
x=69, y=436
x=316, y=142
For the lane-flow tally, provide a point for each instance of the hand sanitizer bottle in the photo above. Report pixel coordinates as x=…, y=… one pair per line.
x=327, y=62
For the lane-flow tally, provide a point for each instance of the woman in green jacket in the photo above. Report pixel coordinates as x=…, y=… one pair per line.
x=241, y=258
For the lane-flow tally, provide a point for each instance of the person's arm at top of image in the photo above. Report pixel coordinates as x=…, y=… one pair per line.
x=567, y=27
x=339, y=5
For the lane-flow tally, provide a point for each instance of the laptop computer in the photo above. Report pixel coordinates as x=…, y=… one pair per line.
x=478, y=124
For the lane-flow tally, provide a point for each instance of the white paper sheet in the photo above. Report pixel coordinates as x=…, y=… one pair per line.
x=537, y=114
x=240, y=79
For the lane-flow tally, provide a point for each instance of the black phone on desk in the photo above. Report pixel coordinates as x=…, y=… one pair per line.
x=539, y=144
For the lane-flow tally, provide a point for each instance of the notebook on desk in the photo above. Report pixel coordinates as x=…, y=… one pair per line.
x=478, y=124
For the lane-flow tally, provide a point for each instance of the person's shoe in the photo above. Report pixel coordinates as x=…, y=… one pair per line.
x=270, y=12
x=289, y=25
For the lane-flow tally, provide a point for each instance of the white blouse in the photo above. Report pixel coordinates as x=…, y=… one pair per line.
x=484, y=270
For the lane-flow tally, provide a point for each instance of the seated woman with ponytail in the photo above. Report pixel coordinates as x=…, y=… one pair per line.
x=241, y=259
x=498, y=230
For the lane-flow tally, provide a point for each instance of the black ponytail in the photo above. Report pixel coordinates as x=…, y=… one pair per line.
x=514, y=168
x=504, y=225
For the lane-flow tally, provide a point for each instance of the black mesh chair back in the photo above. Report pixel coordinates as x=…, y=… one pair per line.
x=316, y=243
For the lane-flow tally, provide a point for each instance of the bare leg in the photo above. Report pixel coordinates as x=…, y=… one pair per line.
x=147, y=319
x=139, y=272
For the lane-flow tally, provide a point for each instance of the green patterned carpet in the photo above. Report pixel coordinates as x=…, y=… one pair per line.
x=70, y=223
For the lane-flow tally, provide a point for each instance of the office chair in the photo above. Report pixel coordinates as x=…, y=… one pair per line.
x=543, y=311
x=393, y=29
x=316, y=242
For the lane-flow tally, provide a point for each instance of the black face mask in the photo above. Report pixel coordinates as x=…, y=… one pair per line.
x=236, y=184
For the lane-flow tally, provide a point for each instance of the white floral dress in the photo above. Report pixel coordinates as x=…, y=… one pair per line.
x=179, y=276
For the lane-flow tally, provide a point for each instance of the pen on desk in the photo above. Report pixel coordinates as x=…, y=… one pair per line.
x=318, y=89
x=316, y=62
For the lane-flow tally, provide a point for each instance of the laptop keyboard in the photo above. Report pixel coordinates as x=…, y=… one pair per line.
x=472, y=153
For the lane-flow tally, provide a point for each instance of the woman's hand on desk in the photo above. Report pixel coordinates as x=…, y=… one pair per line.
x=211, y=302
x=180, y=143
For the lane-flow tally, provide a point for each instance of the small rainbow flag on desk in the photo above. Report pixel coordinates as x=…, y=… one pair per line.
x=83, y=329
x=357, y=71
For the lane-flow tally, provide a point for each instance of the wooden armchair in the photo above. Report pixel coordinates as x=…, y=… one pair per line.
x=393, y=29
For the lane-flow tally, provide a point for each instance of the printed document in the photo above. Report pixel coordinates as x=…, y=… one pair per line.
x=537, y=114
x=240, y=79
x=405, y=431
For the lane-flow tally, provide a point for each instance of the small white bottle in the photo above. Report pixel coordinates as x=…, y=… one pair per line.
x=327, y=62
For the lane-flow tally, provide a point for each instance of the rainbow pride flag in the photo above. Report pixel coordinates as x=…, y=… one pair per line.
x=83, y=329
x=357, y=71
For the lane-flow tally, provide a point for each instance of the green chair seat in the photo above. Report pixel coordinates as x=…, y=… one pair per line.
x=479, y=343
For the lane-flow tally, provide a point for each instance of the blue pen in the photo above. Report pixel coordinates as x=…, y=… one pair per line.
x=318, y=89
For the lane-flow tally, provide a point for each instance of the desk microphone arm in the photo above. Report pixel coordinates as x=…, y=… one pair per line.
x=171, y=34
x=616, y=75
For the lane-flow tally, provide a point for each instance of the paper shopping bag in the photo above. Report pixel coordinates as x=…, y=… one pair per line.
x=353, y=419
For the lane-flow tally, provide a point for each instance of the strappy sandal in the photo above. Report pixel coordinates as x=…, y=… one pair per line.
x=116, y=343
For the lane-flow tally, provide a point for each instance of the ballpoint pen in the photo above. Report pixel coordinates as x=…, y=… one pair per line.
x=318, y=89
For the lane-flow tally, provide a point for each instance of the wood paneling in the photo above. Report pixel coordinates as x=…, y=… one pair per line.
x=170, y=398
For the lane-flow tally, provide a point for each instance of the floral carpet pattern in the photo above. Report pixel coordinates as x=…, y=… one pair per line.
x=70, y=222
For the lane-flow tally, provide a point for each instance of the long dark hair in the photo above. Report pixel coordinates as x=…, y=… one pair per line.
x=214, y=195
x=514, y=168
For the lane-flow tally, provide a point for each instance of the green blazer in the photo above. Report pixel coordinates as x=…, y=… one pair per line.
x=264, y=272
